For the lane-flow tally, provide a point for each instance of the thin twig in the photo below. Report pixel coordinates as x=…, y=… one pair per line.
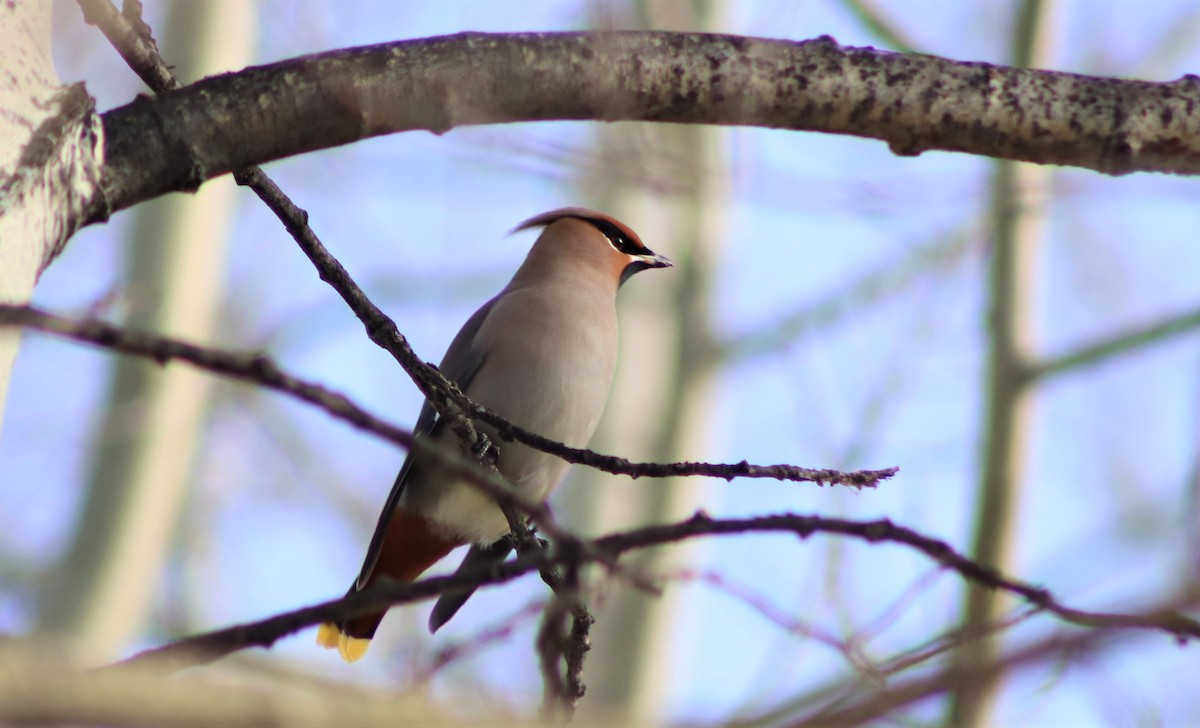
x=207, y=647
x=260, y=369
x=564, y=688
x=884, y=530
x=452, y=403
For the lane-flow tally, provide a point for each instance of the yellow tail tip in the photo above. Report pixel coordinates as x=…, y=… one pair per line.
x=350, y=648
x=327, y=635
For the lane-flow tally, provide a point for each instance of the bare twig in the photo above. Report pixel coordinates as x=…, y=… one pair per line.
x=837, y=692
x=260, y=369
x=550, y=642
x=449, y=653
x=443, y=394
x=554, y=644
x=448, y=400
x=210, y=646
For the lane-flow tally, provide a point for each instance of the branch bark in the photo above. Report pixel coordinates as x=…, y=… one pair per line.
x=915, y=103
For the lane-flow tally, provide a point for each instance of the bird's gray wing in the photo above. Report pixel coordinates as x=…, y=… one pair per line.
x=460, y=365
x=478, y=558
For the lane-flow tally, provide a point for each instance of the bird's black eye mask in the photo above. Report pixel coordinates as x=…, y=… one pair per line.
x=623, y=243
x=618, y=238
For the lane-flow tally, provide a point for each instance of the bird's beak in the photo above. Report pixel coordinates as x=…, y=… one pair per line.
x=643, y=262
x=654, y=260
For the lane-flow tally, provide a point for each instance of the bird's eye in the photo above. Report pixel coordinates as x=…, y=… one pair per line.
x=616, y=236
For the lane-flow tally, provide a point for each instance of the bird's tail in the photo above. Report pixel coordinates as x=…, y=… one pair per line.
x=411, y=544
x=352, y=637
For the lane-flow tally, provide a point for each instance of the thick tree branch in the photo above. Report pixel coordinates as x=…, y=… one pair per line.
x=915, y=103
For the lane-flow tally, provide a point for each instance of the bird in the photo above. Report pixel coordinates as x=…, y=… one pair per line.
x=541, y=354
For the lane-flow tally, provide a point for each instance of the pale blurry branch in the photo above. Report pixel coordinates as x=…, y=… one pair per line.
x=872, y=288
x=452, y=651
x=1117, y=344
x=1018, y=205
x=37, y=687
x=873, y=18
x=870, y=706
x=765, y=608
x=838, y=691
x=865, y=706
x=913, y=102
x=209, y=646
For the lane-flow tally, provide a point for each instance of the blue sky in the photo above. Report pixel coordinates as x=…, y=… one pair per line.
x=1104, y=515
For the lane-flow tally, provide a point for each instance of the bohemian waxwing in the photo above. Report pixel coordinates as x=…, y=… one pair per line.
x=542, y=355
